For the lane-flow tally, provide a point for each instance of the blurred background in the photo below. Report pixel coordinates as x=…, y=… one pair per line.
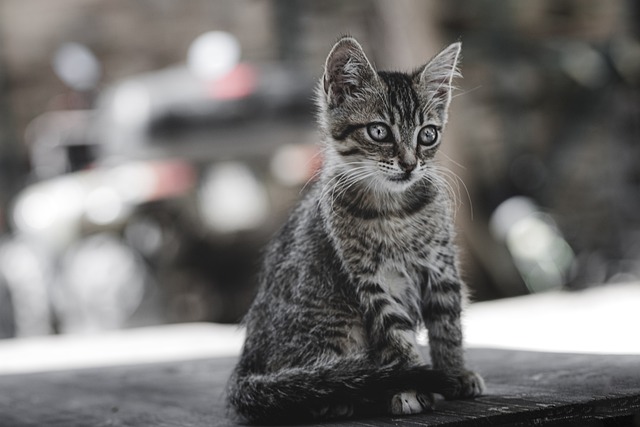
x=149, y=149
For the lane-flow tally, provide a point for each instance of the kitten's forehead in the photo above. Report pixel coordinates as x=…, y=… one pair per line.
x=402, y=100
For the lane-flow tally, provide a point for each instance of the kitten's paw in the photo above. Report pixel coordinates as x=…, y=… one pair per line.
x=411, y=402
x=466, y=384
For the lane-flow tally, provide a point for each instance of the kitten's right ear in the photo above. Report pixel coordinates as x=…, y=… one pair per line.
x=436, y=79
x=346, y=71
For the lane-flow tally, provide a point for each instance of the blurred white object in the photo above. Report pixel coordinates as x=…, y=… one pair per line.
x=602, y=319
x=213, y=54
x=232, y=199
x=135, y=346
x=131, y=105
x=295, y=164
x=26, y=269
x=102, y=284
x=54, y=210
x=50, y=208
x=77, y=66
x=540, y=252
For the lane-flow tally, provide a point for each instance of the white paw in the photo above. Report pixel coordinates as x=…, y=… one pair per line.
x=410, y=402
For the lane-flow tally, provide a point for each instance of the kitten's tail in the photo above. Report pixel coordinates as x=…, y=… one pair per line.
x=292, y=394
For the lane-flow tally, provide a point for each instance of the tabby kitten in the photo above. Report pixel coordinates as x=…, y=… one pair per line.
x=366, y=258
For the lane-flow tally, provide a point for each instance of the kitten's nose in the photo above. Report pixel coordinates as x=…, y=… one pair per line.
x=407, y=166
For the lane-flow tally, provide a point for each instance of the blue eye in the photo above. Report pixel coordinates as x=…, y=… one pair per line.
x=379, y=132
x=428, y=136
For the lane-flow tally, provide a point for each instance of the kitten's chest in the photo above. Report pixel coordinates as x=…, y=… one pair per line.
x=401, y=289
x=395, y=245
x=399, y=234
x=399, y=299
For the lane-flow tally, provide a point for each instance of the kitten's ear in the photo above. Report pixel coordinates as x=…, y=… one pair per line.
x=346, y=71
x=435, y=79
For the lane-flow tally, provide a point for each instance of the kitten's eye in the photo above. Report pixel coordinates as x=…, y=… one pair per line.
x=428, y=136
x=379, y=132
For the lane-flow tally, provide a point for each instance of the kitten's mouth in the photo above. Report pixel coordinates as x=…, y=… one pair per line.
x=401, y=177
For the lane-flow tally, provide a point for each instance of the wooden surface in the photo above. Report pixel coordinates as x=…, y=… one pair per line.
x=524, y=388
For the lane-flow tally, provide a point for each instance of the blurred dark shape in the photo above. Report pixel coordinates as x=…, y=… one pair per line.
x=12, y=165
x=60, y=143
x=7, y=316
x=555, y=119
x=25, y=269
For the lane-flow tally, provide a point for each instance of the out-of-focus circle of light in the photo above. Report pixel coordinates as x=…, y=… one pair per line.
x=103, y=205
x=231, y=199
x=77, y=66
x=213, y=54
x=33, y=211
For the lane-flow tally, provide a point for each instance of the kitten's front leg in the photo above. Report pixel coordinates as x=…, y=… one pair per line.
x=390, y=328
x=442, y=306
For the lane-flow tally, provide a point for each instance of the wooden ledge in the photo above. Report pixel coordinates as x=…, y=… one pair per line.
x=524, y=388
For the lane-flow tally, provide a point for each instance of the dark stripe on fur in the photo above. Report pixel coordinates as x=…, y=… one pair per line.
x=351, y=152
x=346, y=131
x=417, y=198
x=396, y=321
x=378, y=305
x=371, y=288
x=402, y=97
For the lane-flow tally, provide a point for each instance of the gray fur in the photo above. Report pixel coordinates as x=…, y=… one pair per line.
x=365, y=259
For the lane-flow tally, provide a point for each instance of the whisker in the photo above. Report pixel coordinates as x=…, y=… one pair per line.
x=342, y=181
x=464, y=92
x=316, y=173
x=457, y=180
x=451, y=160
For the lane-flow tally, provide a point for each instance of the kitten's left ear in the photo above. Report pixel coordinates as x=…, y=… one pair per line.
x=346, y=72
x=435, y=79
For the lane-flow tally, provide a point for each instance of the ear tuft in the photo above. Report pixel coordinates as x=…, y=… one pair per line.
x=346, y=71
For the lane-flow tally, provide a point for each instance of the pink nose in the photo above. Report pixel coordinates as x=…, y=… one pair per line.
x=407, y=166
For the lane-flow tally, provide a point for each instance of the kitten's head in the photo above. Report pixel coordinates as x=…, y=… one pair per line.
x=384, y=127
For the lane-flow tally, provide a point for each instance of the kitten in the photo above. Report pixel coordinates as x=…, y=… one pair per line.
x=366, y=258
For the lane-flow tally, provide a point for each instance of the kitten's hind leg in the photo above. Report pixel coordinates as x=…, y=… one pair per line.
x=411, y=402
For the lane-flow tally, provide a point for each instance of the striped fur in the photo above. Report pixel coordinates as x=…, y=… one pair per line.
x=365, y=259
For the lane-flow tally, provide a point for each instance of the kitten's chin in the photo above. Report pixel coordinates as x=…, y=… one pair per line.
x=399, y=182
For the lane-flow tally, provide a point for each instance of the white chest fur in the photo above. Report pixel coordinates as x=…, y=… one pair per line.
x=401, y=289
x=403, y=296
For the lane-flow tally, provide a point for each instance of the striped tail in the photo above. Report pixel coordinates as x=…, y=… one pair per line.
x=294, y=394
